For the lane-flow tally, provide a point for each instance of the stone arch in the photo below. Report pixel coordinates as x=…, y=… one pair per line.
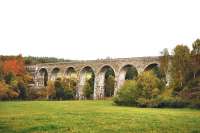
x=123, y=72
x=151, y=66
x=100, y=81
x=155, y=68
x=86, y=72
x=43, y=77
x=105, y=67
x=55, y=73
x=70, y=72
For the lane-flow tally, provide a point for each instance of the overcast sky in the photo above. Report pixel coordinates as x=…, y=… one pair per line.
x=91, y=29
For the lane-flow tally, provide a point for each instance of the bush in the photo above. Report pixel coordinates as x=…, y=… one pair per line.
x=160, y=102
x=64, y=89
x=88, y=90
x=171, y=102
x=190, y=93
x=195, y=104
x=69, y=94
x=143, y=92
x=128, y=94
x=7, y=92
x=150, y=85
x=22, y=90
x=193, y=83
x=9, y=77
x=39, y=94
x=150, y=103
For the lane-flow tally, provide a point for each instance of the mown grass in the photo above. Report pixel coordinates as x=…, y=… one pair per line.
x=93, y=116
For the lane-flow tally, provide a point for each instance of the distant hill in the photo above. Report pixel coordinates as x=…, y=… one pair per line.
x=30, y=60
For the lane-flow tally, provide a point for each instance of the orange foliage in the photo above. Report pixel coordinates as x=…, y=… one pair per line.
x=16, y=66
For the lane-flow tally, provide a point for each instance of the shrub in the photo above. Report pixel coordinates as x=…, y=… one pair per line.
x=87, y=90
x=190, y=93
x=150, y=85
x=22, y=90
x=143, y=92
x=69, y=88
x=39, y=94
x=69, y=94
x=6, y=92
x=151, y=103
x=195, y=104
x=173, y=102
x=3, y=91
x=193, y=83
x=128, y=94
x=63, y=89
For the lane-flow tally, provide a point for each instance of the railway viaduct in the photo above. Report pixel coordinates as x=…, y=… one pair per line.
x=51, y=71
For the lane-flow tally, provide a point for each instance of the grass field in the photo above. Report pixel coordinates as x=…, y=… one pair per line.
x=93, y=116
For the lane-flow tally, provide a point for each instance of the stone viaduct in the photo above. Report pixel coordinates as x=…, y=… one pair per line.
x=50, y=71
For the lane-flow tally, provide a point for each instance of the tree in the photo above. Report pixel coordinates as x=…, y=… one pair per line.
x=195, y=57
x=180, y=67
x=140, y=92
x=149, y=84
x=50, y=90
x=59, y=89
x=9, y=77
x=1, y=70
x=22, y=90
x=109, y=83
x=3, y=91
x=131, y=73
x=196, y=47
x=157, y=72
x=109, y=86
x=15, y=66
x=164, y=62
x=88, y=89
x=128, y=93
x=69, y=85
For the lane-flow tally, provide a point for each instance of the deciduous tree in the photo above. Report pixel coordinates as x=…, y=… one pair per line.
x=195, y=57
x=164, y=62
x=180, y=67
x=15, y=66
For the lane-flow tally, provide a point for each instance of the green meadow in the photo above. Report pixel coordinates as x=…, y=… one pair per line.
x=93, y=117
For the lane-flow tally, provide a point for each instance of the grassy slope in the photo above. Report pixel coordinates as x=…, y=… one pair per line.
x=93, y=116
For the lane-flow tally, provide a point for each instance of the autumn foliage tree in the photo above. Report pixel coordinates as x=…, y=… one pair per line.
x=14, y=66
x=14, y=78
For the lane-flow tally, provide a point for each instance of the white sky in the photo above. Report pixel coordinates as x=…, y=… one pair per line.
x=91, y=29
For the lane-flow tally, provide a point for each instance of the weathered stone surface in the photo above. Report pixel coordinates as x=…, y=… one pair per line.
x=50, y=71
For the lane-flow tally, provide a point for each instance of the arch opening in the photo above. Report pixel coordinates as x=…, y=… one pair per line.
x=55, y=73
x=127, y=72
x=43, y=75
x=70, y=79
x=70, y=73
x=107, y=81
x=155, y=68
x=87, y=77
